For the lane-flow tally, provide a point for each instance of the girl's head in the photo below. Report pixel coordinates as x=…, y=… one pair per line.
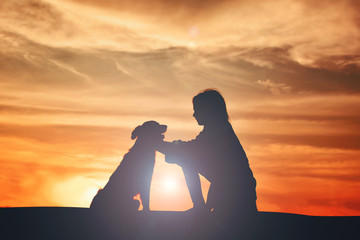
x=209, y=107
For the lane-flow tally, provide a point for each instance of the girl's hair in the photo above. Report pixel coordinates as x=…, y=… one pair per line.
x=211, y=101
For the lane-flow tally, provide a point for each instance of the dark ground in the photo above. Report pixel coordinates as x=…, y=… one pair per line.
x=79, y=223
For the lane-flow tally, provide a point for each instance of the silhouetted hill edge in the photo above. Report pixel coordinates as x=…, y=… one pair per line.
x=78, y=223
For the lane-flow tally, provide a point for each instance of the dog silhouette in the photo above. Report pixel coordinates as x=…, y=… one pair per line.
x=133, y=175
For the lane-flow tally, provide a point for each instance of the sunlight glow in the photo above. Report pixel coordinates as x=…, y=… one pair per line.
x=76, y=191
x=170, y=185
x=191, y=45
x=194, y=31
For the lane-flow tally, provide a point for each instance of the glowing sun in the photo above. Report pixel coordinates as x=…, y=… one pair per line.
x=170, y=185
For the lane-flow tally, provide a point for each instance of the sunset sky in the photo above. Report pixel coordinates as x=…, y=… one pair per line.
x=77, y=76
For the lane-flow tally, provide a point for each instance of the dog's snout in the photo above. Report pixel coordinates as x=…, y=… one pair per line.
x=163, y=128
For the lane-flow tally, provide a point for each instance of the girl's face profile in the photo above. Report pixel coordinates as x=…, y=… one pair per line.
x=200, y=115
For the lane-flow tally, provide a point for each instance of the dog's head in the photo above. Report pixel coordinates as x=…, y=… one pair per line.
x=150, y=130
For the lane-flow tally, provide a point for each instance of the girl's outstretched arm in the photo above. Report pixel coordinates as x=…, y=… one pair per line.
x=165, y=147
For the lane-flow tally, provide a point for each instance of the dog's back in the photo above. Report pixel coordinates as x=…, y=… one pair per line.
x=130, y=178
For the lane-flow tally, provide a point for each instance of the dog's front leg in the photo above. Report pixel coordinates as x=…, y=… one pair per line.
x=145, y=193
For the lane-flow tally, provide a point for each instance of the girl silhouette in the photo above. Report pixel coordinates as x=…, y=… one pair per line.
x=217, y=154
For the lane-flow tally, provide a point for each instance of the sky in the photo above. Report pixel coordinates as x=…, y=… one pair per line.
x=77, y=76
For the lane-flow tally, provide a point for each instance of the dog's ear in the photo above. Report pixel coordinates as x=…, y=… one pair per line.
x=135, y=133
